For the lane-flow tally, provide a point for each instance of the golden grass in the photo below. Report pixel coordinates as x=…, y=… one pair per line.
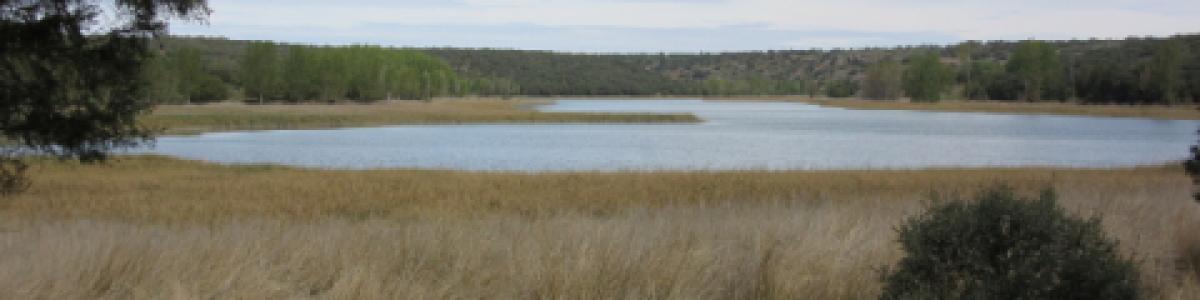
x=1166, y=112
x=152, y=227
x=185, y=119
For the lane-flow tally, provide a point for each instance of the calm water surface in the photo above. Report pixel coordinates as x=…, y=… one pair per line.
x=734, y=136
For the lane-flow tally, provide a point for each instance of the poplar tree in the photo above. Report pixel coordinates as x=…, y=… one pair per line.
x=1036, y=65
x=965, y=52
x=260, y=70
x=1165, y=71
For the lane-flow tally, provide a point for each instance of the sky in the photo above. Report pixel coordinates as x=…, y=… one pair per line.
x=686, y=25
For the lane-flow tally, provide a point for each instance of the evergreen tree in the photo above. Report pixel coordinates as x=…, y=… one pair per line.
x=70, y=85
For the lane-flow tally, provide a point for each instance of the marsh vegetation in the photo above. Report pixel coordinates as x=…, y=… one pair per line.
x=151, y=227
x=185, y=119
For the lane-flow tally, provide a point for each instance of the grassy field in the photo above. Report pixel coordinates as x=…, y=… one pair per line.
x=152, y=227
x=1176, y=112
x=185, y=119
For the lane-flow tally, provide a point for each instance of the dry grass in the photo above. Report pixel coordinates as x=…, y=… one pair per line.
x=159, y=189
x=150, y=227
x=1167, y=112
x=185, y=119
x=1189, y=249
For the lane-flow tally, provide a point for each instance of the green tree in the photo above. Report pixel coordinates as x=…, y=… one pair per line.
x=1165, y=71
x=992, y=82
x=194, y=82
x=330, y=74
x=208, y=88
x=299, y=73
x=812, y=87
x=189, y=70
x=966, y=51
x=71, y=84
x=365, y=73
x=927, y=78
x=1037, y=66
x=162, y=82
x=260, y=70
x=883, y=81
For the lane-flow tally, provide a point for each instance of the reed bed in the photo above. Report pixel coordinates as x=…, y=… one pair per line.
x=190, y=119
x=155, y=228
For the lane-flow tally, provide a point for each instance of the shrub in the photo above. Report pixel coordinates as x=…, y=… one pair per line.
x=209, y=89
x=842, y=88
x=1004, y=247
x=1192, y=166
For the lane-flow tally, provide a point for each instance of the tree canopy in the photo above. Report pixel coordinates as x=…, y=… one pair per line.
x=70, y=84
x=926, y=80
x=1037, y=66
x=1092, y=71
x=883, y=81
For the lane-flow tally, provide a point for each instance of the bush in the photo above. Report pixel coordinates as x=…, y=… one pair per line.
x=1192, y=166
x=1004, y=247
x=209, y=89
x=842, y=89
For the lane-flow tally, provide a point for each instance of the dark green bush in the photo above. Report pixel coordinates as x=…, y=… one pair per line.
x=842, y=88
x=1001, y=246
x=1192, y=166
x=209, y=89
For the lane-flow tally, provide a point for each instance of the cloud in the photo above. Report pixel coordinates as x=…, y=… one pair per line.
x=626, y=25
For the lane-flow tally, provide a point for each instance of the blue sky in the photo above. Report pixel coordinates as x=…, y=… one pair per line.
x=686, y=25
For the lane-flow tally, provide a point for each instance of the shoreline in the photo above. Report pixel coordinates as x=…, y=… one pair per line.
x=233, y=116
x=1158, y=112
x=227, y=116
x=159, y=156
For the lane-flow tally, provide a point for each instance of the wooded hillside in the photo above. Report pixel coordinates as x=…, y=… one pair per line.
x=1134, y=70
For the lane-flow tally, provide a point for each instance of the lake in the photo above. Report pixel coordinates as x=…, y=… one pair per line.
x=734, y=136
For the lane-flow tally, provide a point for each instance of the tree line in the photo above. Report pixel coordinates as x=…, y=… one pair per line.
x=271, y=72
x=1156, y=71
x=1130, y=71
x=1133, y=71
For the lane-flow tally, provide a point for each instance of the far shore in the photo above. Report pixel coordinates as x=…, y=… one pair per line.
x=231, y=116
x=1163, y=112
